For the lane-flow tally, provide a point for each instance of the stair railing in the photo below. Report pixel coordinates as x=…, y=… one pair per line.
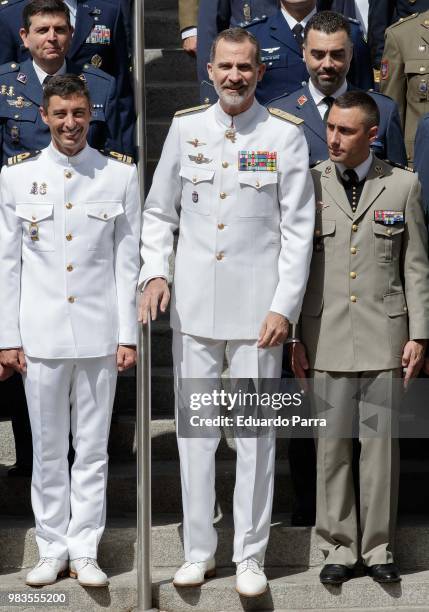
x=144, y=518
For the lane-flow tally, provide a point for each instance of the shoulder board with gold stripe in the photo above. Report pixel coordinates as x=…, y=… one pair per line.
x=194, y=109
x=285, y=116
x=396, y=165
x=402, y=20
x=17, y=159
x=121, y=157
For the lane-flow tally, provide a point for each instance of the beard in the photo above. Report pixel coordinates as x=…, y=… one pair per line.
x=234, y=99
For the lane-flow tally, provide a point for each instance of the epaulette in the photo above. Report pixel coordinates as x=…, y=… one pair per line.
x=396, y=165
x=403, y=20
x=353, y=20
x=121, y=157
x=194, y=109
x=9, y=67
x=91, y=69
x=281, y=114
x=246, y=24
x=316, y=163
x=5, y=3
x=17, y=159
x=378, y=93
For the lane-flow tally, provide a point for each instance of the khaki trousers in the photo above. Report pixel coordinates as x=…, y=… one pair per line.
x=341, y=398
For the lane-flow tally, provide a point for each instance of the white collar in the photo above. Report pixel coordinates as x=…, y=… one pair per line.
x=61, y=159
x=291, y=21
x=41, y=74
x=237, y=121
x=361, y=170
x=318, y=96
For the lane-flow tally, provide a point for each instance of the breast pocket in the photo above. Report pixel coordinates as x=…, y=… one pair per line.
x=195, y=195
x=417, y=74
x=37, y=225
x=387, y=241
x=258, y=194
x=324, y=239
x=101, y=218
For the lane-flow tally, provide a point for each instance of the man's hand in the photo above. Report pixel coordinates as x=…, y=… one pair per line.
x=413, y=358
x=273, y=330
x=5, y=373
x=156, y=292
x=190, y=45
x=299, y=362
x=13, y=358
x=126, y=357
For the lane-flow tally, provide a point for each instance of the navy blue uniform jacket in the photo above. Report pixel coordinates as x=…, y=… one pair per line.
x=390, y=141
x=421, y=157
x=21, y=94
x=89, y=45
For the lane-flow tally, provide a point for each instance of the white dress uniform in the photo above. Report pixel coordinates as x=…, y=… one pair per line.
x=69, y=239
x=244, y=249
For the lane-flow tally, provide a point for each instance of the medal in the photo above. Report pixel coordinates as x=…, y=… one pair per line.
x=34, y=232
x=230, y=134
x=96, y=61
x=194, y=197
x=257, y=161
x=43, y=189
x=34, y=189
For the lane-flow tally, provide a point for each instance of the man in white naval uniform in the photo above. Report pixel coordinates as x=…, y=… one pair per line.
x=69, y=247
x=240, y=273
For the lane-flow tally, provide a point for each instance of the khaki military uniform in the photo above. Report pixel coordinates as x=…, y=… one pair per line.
x=188, y=14
x=404, y=73
x=367, y=294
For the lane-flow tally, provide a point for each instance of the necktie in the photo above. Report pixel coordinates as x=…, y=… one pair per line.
x=351, y=177
x=328, y=100
x=298, y=34
x=352, y=187
x=46, y=80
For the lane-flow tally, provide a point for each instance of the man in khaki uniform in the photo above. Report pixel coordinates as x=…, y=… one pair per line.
x=365, y=314
x=188, y=19
x=404, y=72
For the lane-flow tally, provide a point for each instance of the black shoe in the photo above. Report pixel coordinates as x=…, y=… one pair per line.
x=384, y=572
x=20, y=471
x=302, y=519
x=333, y=573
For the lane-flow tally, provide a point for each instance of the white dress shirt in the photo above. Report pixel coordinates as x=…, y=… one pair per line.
x=41, y=74
x=318, y=96
x=362, y=14
x=292, y=21
x=361, y=170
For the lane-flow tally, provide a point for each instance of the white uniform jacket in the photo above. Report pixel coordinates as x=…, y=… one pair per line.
x=245, y=236
x=69, y=242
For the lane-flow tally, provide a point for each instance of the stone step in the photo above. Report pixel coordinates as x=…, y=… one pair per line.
x=165, y=64
x=119, y=596
x=150, y=5
x=164, y=99
x=292, y=589
x=288, y=546
x=161, y=29
x=161, y=338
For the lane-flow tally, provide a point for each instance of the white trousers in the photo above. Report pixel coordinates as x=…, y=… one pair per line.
x=66, y=395
x=200, y=358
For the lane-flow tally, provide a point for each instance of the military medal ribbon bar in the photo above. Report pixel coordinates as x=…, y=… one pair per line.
x=253, y=161
x=388, y=217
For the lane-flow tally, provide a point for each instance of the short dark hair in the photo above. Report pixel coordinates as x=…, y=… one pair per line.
x=328, y=22
x=363, y=101
x=36, y=7
x=236, y=35
x=65, y=86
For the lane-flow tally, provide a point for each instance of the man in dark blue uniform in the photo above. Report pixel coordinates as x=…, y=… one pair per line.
x=328, y=52
x=99, y=40
x=280, y=38
x=381, y=14
x=47, y=36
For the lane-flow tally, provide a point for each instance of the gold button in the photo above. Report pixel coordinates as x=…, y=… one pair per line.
x=69, y=237
x=13, y=66
x=257, y=184
x=69, y=205
x=194, y=179
x=221, y=226
x=16, y=116
x=353, y=298
x=317, y=232
x=353, y=274
x=219, y=256
x=422, y=68
x=389, y=232
x=405, y=309
x=206, y=100
x=354, y=228
x=69, y=268
x=353, y=250
x=71, y=299
x=68, y=174
x=222, y=195
x=105, y=216
x=225, y=164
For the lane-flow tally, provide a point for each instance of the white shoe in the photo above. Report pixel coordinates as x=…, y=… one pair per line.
x=251, y=580
x=193, y=574
x=88, y=572
x=47, y=571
